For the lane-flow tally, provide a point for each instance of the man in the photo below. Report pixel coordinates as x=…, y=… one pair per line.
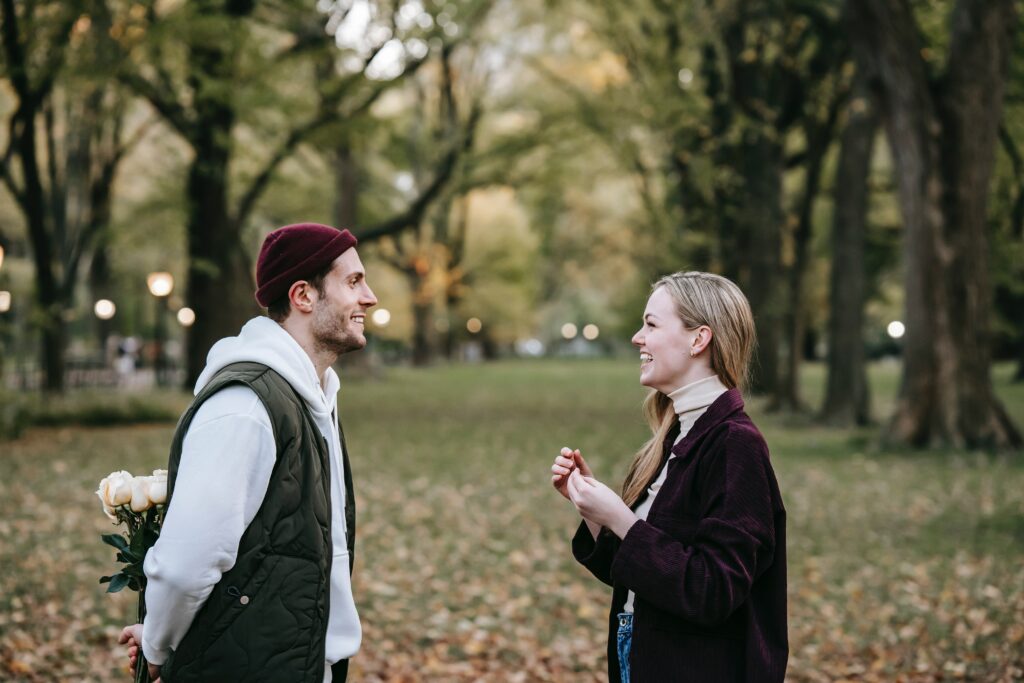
x=251, y=577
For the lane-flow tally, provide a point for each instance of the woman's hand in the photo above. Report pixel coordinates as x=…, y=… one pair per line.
x=565, y=463
x=599, y=504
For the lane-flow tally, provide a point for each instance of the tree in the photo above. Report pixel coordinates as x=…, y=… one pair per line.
x=943, y=128
x=63, y=181
x=218, y=69
x=723, y=90
x=846, y=396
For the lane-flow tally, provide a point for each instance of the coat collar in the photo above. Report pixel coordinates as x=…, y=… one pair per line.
x=726, y=405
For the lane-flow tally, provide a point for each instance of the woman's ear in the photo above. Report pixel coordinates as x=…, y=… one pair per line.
x=301, y=296
x=701, y=340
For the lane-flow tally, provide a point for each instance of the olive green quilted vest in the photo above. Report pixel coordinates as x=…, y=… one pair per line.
x=266, y=619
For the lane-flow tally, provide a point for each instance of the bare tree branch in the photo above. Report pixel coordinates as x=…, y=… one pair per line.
x=414, y=213
x=158, y=96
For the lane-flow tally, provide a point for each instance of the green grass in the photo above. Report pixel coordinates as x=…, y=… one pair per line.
x=902, y=566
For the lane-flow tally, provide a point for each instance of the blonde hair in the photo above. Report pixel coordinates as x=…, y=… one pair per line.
x=700, y=299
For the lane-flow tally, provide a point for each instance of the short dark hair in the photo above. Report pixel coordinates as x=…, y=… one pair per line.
x=279, y=310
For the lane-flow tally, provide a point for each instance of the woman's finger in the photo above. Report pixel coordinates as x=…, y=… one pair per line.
x=578, y=461
x=571, y=488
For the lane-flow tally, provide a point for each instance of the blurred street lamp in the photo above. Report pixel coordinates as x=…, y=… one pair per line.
x=896, y=329
x=381, y=317
x=590, y=332
x=5, y=302
x=1, y=256
x=160, y=285
x=104, y=309
x=474, y=325
x=568, y=331
x=186, y=316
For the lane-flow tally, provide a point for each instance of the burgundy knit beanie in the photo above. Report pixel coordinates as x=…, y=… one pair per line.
x=296, y=252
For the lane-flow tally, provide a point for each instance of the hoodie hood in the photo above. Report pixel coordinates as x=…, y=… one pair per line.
x=262, y=340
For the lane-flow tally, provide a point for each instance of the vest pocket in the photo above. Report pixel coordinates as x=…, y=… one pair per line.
x=275, y=635
x=235, y=599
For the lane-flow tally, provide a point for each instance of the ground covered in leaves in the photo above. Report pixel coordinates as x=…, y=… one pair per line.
x=903, y=567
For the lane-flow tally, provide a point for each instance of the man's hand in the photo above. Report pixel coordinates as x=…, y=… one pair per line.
x=599, y=504
x=132, y=637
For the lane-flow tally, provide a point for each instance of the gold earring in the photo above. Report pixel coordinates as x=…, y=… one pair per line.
x=692, y=353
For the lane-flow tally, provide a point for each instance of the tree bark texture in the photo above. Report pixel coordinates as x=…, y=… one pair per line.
x=759, y=237
x=846, y=395
x=943, y=140
x=346, y=187
x=220, y=283
x=31, y=196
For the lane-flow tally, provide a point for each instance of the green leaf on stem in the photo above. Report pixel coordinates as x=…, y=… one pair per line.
x=117, y=582
x=116, y=540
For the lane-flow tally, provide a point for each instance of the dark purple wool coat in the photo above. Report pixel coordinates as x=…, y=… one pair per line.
x=708, y=567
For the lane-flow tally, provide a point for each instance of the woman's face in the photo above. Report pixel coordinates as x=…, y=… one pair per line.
x=664, y=344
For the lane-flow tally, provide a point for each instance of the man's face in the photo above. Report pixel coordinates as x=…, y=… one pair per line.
x=339, y=317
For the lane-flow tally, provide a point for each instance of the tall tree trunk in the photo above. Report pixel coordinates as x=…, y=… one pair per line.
x=346, y=188
x=48, y=299
x=846, y=395
x=819, y=138
x=423, y=347
x=418, y=270
x=100, y=287
x=943, y=141
x=32, y=196
x=220, y=286
x=758, y=240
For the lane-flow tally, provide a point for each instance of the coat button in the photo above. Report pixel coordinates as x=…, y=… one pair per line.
x=244, y=599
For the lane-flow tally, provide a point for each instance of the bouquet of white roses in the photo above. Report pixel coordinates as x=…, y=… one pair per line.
x=139, y=504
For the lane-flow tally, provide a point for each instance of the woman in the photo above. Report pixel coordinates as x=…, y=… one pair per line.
x=695, y=549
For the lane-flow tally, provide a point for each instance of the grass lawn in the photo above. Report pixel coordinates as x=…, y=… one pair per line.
x=902, y=566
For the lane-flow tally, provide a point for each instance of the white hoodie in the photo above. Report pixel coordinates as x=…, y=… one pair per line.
x=227, y=458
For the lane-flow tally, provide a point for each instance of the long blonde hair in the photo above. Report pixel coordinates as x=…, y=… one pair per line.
x=700, y=299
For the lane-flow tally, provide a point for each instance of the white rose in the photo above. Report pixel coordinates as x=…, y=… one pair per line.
x=107, y=510
x=158, y=487
x=115, y=490
x=140, y=494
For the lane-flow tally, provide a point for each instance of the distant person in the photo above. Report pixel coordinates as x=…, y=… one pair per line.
x=695, y=549
x=251, y=577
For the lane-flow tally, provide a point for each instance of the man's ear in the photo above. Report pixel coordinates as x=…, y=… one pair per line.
x=301, y=296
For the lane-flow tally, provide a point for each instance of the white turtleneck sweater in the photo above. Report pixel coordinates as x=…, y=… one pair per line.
x=690, y=402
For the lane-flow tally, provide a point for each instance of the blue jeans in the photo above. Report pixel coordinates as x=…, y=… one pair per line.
x=625, y=643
